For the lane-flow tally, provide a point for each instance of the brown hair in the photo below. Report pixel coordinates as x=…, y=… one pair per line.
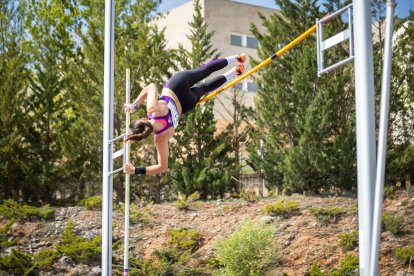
x=140, y=129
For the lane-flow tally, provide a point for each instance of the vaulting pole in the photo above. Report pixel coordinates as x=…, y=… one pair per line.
x=382, y=139
x=127, y=176
x=261, y=65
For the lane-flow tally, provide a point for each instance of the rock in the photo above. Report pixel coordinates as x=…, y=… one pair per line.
x=401, y=273
x=64, y=260
x=266, y=219
x=96, y=270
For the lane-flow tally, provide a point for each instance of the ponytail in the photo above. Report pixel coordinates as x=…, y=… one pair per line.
x=140, y=129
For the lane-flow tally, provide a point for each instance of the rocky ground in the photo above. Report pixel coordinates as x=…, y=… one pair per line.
x=301, y=237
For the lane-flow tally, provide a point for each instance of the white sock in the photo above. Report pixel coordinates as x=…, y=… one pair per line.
x=231, y=59
x=230, y=74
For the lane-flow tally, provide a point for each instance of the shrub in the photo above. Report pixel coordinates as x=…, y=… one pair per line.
x=248, y=251
x=4, y=239
x=389, y=192
x=348, y=241
x=10, y=209
x=93, y=202
x=325, y=215
x=142, y=267
x=349, y=266
x=45, y=259
x=186, y=201
x=249, y=196
x=392, y=223
x=405, y=254
x=315, y=270
x=135, y=215
x=16, y=263
x=168, y=255
x=184, y=239
x=78, y=248
x=281, y=208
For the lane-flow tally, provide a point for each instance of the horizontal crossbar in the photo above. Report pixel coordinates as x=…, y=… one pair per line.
x=336, y=39
x=332, y=15
x=336, y=65
x=117, y=138
x=118, y=153
x=115, y=171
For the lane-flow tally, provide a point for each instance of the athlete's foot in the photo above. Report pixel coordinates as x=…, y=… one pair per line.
x=239, y=69
x=241, y=57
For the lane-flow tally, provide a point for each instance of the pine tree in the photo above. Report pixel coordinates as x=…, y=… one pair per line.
x=13, y=87
x=52, y=49
x=139, y=46
x=306, y=123
x=400, y=144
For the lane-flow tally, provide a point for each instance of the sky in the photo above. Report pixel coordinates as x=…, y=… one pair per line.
x=403, y=6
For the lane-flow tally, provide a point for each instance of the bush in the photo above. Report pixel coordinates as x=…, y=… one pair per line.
x=325, y=215
x=184, y=240
x=45, y=259
x=4, y=239
x=405, y=254
x=392, y=223
x=168, y=255
x=10, y=209
x=186, y=201
x=142, y=267
x=281, y=208
x=349, y=266
x=348, y=241
x=135, y=215
x=249, y=196
x=78, y=248
x=16, y=263
x=389, y=192
x=248, y=251
x=93, y=202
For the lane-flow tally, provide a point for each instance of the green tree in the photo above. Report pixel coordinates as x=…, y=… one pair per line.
x=400, y=154
x=139, y=46
x=306, y=123
x=200, y=166
x=13, y=96
x=50, y=27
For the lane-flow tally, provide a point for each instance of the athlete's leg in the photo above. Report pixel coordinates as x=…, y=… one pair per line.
x=216, y=82
x=205, y=70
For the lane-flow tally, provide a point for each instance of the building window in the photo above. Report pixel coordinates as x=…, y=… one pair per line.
x=238, y=86
x=252, y=42
x=244, y=41
x=236, y=40
x=251, y=87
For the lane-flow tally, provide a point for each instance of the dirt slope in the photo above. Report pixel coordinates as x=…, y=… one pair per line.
x=302, y=239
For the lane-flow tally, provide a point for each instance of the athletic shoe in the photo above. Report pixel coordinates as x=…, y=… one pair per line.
x=239, y=69
x=241, y=57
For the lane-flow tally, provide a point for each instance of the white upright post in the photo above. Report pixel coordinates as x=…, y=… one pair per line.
x=107, y=185
x=382, y=139
x=365, y=127
x=127, y=176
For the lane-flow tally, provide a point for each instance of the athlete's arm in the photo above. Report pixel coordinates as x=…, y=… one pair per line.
x=162, y=155
x=143, y=95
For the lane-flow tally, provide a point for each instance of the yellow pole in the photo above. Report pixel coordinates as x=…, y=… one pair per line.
x=261, y=65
